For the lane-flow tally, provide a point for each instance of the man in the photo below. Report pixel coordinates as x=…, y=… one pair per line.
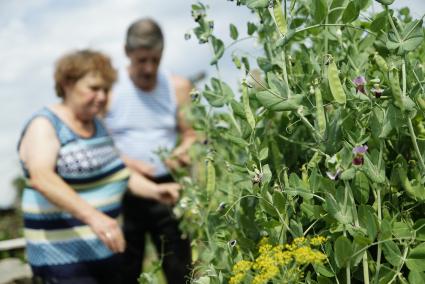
x=145, y=114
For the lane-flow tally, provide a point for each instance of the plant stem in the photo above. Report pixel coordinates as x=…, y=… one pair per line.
x=378, y=200
x=409, y=121
x=333, y=25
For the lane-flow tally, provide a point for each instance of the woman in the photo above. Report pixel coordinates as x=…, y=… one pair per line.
x=76, y=179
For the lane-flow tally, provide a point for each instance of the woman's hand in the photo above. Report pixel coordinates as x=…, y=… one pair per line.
x=108, y=231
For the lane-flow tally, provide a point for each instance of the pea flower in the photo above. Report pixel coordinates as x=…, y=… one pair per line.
x=359, y=152
x=360, y=81
x=334, y=176
x=377, y=91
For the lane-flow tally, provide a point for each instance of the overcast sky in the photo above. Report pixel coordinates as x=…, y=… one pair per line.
x=33, y=34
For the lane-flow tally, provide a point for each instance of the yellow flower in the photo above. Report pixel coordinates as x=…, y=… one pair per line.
x=317, y=241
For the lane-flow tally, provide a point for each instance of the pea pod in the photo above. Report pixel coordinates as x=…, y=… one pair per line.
x=210, y=175
x=421, y=102
x=320, y=112
x=380, y=61
x=279, y=18
x=335, y=84
x=395, y=89
x=246, y=107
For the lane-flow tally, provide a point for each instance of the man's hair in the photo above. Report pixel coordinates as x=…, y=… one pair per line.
x=75, y=65
x=144, y=33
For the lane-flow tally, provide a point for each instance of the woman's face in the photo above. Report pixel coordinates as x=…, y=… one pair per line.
x=88, y=96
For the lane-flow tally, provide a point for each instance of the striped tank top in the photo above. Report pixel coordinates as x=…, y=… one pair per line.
x=141, y=123
x=59, y=245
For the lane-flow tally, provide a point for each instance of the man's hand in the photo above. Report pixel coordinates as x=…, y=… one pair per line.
x=178, y=158
x=169, y=192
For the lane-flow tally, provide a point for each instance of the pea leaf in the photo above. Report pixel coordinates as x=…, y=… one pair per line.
x=253, y=4
x=343, y=251
x=416, y=259
x=368, y=220
x=218, y=47
x=351, y=12
x=379, y=22
x=233, y=32
x=392, y=253
x=319, y=10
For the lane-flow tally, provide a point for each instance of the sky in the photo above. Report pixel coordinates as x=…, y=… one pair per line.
x=33, y=34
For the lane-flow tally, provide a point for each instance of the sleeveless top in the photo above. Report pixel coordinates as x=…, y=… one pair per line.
x=59, y=245
x=141, y=123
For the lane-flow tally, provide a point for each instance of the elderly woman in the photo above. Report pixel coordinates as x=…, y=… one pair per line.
x=76, y=179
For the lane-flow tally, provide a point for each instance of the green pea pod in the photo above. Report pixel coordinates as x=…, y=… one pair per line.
x=380, y=61
x=246, y=107
x=320, y=112
x=395, y=89
x=421, y=103
x=335, y=84
x=210, y=176
x=279, y=18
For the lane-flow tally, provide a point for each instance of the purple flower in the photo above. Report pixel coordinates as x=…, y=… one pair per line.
x=360, y=81
x=334, y=176
x=359, y=151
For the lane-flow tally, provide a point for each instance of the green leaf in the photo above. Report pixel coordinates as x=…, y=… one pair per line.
x=416, y=259
x=368, y=220
x=416, y=277
x=254, y=4
x=336, y=210
x=267, y=174
x=323, y=270
x=419, y=227
x=279, y=201
x=218, y=47
x=277, y=85
x=264, y=153
x=266, y=204
x=361, y=188
x=343, y=251
x=348, y=174
x=319, y=10
x=385, y=2
x=402, y=230
x=351, y=12
x=359, y=244
x=277, y=103
x=251, y=28
x=372, y=171
x=392, y=253
x=233, y=32
x=379, y=22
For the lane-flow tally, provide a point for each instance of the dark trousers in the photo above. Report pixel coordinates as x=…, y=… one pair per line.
x=143, y=216
x=110, y=279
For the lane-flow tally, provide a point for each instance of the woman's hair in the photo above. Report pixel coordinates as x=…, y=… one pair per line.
x=75, y=65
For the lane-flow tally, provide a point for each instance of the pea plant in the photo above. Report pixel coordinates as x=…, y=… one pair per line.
x=313, y=171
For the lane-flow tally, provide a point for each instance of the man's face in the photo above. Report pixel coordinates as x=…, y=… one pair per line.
x=144, y=65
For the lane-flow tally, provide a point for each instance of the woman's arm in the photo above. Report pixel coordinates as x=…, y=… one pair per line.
x=39, y=150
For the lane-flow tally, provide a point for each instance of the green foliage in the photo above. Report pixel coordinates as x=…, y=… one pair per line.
x=286, y=154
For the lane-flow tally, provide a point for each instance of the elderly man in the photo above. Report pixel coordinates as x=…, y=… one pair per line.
x=145, y=114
